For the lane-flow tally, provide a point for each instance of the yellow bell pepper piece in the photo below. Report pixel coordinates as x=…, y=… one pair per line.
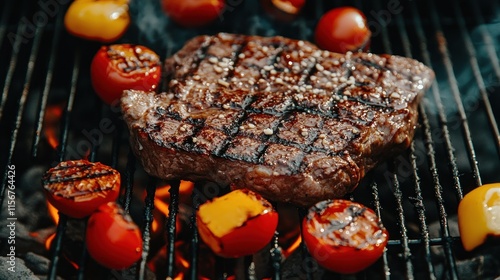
x=99, y=20
x=479, y=215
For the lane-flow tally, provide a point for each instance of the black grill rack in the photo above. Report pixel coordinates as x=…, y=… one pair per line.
x=457, y=146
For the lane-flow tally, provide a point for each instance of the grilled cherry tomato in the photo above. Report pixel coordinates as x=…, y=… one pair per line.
x=284, y=10
x=112, y=238
x=193, y=13
x=479, y=215
x=237, y=224
x=343, y=236
x=78, y=187
x=100, y=20
x=343, y=29
x=121, y=67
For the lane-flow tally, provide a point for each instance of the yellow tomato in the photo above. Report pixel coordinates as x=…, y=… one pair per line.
x=99, y=20
x=479, y=215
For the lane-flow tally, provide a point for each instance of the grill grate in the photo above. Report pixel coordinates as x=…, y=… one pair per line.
x=41, y=65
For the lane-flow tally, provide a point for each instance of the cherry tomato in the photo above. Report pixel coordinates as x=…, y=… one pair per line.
x=100, y=20
x=284, y=10
x=344, y=236
x=193, y=13
x=343, y=29
x=237, y=224
x=113, y=239
x=122, y=67
x=78, y=187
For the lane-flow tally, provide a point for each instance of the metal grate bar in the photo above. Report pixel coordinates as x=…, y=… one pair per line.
x=437, y=99
x=305, y=253
x=406, y=255
x=397, y=190
x=129, y=181
x=146, y=233
x=418, y=199
x=22, y=102
x=61, y=226
x=477, y=73
x=437, y=186
x=173, y=209
x=445, y=55
x=48, y=82
x=16, y=47
x=386, y=42
x=56, y=247
x=115, y=152
x=193, y=268
x=487, y=38
x=276, y=258
x=376, y=199
x=69, y=106
x=7, y=10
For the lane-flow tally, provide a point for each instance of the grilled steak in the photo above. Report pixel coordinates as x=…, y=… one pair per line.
x=275, y=115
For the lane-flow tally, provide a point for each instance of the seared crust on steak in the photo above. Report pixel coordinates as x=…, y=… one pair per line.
x=275, y=115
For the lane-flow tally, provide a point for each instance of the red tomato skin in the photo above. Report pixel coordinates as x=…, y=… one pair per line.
x=341, y=259
x=247, y=239
x=109, y=81
x=343, y=29
x=81, y=209
x=254, y=235
x=111, y=240
x=193, y=13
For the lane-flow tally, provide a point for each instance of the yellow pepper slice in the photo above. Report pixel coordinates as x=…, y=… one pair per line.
x=99, y=20
x=479, y=215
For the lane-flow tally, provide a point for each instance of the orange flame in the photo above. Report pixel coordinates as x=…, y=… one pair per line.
x=185, y=189
x=53, y=212
x=288, y=251
x=48, y=242
x=51, y=121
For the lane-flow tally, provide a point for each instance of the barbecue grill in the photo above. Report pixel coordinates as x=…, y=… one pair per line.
x=49, y=113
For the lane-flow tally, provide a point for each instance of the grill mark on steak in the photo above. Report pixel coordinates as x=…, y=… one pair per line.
x=289, y=121
x=271, y=61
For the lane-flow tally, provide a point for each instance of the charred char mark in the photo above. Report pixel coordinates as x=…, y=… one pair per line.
x=236, y=57
x=201, y=54
x=308, y=72
x=73, y=178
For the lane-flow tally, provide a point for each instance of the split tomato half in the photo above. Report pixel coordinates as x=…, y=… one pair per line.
x=237, y=224
x=343, y=29
x=78, y=187
x=120, y=67
x=344, y=236
x=113, y=239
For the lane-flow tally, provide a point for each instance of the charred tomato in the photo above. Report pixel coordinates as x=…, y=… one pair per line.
x=193, y=13
x=78, y=187
x=120, y=67
x=237, y=224
x=344, y=236
x=343, y=29
x=112, y=238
